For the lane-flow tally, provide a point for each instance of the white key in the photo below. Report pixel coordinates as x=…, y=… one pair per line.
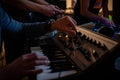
x=55, y=75
x=37, y=50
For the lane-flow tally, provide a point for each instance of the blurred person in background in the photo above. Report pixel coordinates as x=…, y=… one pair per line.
x=86, y=11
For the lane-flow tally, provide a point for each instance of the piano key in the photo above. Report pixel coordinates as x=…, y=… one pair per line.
x=60, y=66
x=44, y=68
x=55, y=75
x=37, y=50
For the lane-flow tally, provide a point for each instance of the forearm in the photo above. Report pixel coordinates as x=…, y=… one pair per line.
x=105, y=9
x=12, y=25
x=25, y=5
x=43, y=2
x=84, y=5
x=91, y=16
x=30, y=29
x=36, y=29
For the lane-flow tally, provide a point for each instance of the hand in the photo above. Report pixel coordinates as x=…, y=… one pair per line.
x=65, y=24
x=51, y=10
x=107, y=22
x=24, y=65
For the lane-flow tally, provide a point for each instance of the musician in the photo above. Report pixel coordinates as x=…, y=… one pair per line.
x=25, y=11
x=28, y=8
x=22, y=65
x=88, y=11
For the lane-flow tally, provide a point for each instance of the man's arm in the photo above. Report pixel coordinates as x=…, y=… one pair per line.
x=28, y=5
x=9, y=24
x=25, y=5
x=43, y=2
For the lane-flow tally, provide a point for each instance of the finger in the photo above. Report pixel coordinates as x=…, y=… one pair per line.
x=29, y=57
x=57, y=7
x=71, y=23
x=33, y=56
x=58, y=10
x=32, y=64
x=70, y=32
x=32, y=72
x=74, y=21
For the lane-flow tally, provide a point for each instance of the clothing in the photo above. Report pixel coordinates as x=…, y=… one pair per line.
x=28, y=16
x=7, y=24
x=15, y=42
x=82, y=19
x=23, y=15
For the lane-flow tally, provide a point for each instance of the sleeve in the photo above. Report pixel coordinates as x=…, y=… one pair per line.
x=31, y=29
x=36, y=29
x=8, y=23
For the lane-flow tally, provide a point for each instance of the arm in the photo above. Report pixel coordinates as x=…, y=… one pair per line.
x=65, y=24
x=25, y=5
x=35, y=6
x=41, y=2
x=105, y=9
x=30, y=29
x=84, y=4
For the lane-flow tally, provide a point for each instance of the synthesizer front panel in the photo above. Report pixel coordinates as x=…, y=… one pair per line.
x=87, y=47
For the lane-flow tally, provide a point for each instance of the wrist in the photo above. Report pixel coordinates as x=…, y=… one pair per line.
x=50, y=26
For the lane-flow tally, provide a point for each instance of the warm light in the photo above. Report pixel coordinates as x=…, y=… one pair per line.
x=66, y=36
x=68, y=4
x=110, y=4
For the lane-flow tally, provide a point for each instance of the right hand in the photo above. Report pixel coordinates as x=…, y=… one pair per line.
x=51, y=10
x=65, y=24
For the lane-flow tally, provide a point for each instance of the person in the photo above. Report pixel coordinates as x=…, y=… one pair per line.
x=23, y=65
x=86, y=11
x=41, y=9
x=22, y=11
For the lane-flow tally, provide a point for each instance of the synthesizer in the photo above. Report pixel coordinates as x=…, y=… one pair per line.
x=72, y=55
x=87, y=47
